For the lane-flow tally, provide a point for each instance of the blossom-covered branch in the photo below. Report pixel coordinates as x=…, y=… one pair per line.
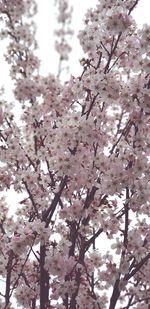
x=77, y=160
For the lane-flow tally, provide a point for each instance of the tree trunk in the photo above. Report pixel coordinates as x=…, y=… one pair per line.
x=44, y=280
x=115, y=295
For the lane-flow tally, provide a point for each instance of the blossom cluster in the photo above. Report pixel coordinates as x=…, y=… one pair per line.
x=78, y=162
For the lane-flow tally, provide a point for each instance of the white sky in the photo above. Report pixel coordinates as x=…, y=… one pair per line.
x=45, y=20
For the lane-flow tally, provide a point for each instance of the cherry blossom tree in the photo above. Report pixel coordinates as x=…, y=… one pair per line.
x=78, y=160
